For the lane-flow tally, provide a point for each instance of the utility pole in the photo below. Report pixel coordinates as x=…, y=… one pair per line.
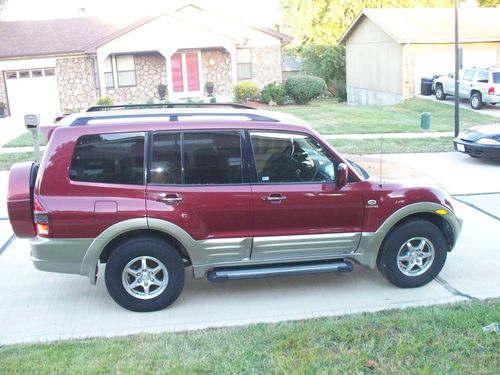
x=457, y=66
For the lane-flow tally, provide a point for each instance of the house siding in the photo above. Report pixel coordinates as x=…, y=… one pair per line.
x=266, y=65
x=75, y=78
x=220, y=73
x=148, y=72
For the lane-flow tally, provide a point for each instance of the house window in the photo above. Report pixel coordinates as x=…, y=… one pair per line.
x=11, y=75
x=49, y=72
x=125, y=68
x=108, y=73
x=24, y=74
x=244, y=63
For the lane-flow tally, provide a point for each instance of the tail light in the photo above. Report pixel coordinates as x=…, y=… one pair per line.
x=491, y=91
x=41, y=218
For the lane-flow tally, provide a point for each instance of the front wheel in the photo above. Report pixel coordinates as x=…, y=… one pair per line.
x=144, y=274
x=413, y=254
x=440, y=95
x=476, y=101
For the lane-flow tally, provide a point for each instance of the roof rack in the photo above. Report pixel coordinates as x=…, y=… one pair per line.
x=99, y=108
x=173, y=116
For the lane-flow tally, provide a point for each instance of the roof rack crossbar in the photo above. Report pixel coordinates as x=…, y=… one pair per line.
x=100, y=108
x=172, y=116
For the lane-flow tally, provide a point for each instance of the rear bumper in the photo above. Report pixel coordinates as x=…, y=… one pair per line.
x=491, y=98
x=477, y=150
x=64, y=255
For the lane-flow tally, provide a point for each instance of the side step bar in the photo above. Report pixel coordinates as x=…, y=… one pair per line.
x=286, y=269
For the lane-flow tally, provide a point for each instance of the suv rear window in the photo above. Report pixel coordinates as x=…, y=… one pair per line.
x=109, y=158
x=496, y=77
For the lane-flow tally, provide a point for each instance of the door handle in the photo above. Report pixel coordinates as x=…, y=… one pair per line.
x=169, y=198
x=273, y=198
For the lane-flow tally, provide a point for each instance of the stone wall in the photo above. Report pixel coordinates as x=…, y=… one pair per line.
x=266, y=65
x=3, y=93
x=75, y=77
x=219, y=72
x=148, y=70
x=408, y=72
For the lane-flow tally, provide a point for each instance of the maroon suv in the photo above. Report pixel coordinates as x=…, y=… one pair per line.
x=234, y=193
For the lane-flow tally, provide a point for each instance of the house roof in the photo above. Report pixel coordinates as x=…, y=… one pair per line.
x=52, y=37
x=432, y=25
x=85, y=34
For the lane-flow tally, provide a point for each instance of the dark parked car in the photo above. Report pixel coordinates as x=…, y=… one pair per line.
x=232, y=193
x=481, y=141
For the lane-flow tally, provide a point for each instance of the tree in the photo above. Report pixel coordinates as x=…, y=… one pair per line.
x=2, y=5
x=324, y=21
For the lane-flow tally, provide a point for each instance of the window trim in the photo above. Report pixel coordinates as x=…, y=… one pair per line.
x=238, y=63
x=125, y=71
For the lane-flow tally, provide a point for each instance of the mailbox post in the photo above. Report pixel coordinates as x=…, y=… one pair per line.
x=31, y=122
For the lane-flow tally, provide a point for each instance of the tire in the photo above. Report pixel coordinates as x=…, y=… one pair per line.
x=476, y=101
x=418, y=241
x=155, y=288
x=440, y=95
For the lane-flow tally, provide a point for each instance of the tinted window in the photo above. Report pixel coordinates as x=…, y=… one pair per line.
x=109, y=158
x=468, y=75
x=496, y=77
x=482, y=76
x=166, y=159
x=282, y=157
x=212, y=158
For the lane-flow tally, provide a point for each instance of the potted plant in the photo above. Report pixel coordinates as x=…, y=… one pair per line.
x=209, y=86
x=162, y=90
x=2, y=109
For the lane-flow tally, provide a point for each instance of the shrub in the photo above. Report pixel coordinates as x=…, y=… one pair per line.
x=245, y=90
x=104, y=100
x=305, y=88
x=275, y=92
x=162, y=90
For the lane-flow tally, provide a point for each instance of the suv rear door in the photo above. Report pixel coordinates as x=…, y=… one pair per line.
x=197, y=182
x=299, y=210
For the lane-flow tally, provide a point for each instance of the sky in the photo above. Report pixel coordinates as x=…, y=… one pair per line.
x=254, y=12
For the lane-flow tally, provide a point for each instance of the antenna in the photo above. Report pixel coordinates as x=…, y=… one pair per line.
x=380, y=172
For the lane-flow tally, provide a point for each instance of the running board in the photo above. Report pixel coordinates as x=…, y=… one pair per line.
x=286, y=269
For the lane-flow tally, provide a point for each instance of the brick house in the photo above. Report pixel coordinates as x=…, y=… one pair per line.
x=65, y=64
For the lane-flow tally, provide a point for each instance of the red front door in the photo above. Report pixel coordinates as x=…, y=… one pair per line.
x=185, y=72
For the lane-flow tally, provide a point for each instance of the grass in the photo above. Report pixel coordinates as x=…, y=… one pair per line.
x=7, y=159
x=329, y=117
x=429, y=340
x=392, y=145
x=25, y=140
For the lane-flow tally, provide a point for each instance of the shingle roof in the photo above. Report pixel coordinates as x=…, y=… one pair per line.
x=432, y=25
x=52, y=37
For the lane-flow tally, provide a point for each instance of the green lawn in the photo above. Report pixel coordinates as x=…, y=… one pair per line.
x=428, y=340
x=392, y=145
x=7, y=159
x=25, y=140
x=329, y=117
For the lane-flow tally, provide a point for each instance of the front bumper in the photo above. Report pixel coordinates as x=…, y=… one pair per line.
x=477, y=150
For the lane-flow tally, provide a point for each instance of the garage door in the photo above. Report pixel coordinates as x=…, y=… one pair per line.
x=33, y=91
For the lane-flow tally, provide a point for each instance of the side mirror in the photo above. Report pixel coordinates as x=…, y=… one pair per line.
x=450, y=75
x=342, y=174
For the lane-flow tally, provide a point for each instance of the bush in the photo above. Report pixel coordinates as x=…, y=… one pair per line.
x=104, y=100
x=305, y=88
x=275, y=92
x=245, y=90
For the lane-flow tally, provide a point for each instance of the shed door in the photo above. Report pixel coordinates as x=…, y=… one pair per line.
x=33, y=91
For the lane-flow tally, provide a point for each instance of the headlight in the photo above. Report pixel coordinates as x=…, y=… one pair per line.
x=488, y=141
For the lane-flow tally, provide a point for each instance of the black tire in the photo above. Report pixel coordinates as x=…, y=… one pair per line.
x=476, y=101
x=157, y=287
x=414, y=232
x=440, y=95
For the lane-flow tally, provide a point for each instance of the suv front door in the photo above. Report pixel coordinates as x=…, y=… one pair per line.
x=299, y=210
x=196, y=182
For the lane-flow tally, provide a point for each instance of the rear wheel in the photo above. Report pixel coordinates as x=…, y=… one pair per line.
x=144, y=274
x=476, y=101
x=440, y=95
x=413, y=254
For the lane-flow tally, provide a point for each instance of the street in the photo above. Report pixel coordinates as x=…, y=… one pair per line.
x=39, y=306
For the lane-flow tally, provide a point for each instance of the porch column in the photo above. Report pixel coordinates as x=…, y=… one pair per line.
x=234, y=64
x=100, y=71
x=167, y=54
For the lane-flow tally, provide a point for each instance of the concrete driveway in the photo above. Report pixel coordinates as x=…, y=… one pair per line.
x=38, y=306
x=492, y=110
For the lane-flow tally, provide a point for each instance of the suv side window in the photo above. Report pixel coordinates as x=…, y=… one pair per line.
x=212, y=158
x=109, y=158
x=483, y=76
x=166, y=165
x=469, y=75
x=289, y=157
